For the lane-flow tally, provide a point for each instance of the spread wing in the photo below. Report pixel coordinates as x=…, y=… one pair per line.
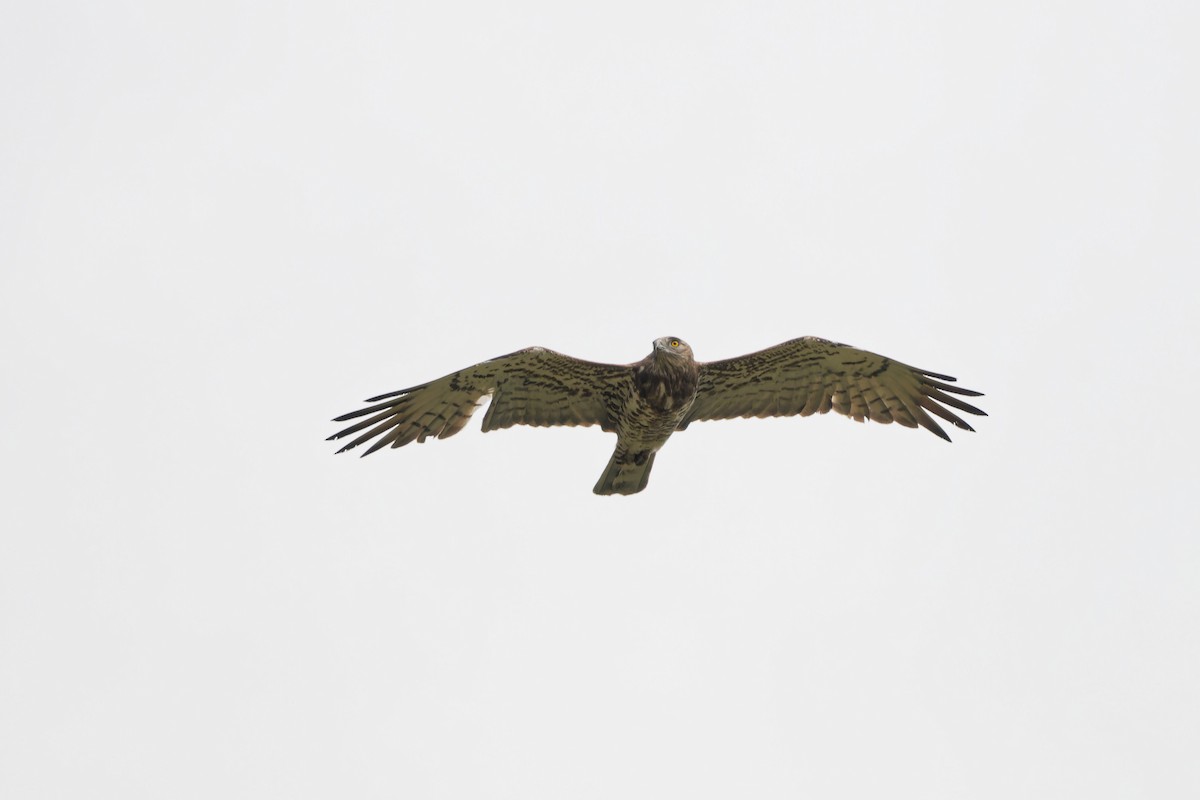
x=813, y=376
x=534, y=386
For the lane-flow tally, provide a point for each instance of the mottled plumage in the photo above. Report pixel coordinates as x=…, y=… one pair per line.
x=644, y=403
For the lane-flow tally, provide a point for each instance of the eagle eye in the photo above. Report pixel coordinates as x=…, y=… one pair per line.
x=674, y=343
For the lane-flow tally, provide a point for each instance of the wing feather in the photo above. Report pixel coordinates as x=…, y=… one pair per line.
x=814, y=376
x=534, y=386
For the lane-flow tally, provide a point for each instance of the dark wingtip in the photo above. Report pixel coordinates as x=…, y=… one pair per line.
x=938, y=384
x=396, y=393
x=381, y=443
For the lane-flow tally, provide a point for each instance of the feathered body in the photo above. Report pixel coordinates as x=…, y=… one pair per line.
x=664, y=387
x=646, y=402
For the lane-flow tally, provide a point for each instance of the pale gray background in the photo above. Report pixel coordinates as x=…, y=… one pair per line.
x=222, y=224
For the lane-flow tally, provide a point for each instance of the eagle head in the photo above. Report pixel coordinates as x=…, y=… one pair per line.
x=673, y=346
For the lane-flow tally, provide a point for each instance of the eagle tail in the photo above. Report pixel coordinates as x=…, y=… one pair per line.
x=626, y=473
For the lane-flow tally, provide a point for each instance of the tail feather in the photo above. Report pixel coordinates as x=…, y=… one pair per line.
x=626, y=473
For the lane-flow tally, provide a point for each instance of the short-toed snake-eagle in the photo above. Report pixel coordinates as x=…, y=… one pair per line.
x=644, y=403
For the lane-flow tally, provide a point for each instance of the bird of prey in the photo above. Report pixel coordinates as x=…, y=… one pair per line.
x=645, y=402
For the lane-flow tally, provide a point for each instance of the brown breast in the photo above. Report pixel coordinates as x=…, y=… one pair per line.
x=668, y=383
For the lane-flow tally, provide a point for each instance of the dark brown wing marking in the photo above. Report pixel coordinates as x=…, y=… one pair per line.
x=814, y=376
x=534, y=386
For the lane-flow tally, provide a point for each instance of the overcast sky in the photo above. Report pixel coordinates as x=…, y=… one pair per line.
x=223, y=224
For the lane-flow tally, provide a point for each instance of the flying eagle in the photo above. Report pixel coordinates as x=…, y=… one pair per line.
x=644, y=403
